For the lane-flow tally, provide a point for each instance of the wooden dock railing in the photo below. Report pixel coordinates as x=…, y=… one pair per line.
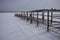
x=30, y=16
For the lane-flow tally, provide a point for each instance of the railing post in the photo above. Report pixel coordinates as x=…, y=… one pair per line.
x=21, y=15
x=33, y=14
x=27, y=16
x=51, y=15
x=37, y=19
x=31, y=18
x=42, y=17
x=24, y=15
x=47, y=21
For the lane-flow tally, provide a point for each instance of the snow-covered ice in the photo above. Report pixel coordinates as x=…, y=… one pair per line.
x=13, y=28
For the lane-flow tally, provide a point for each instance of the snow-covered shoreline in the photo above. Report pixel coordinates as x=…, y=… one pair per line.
x=13, y=28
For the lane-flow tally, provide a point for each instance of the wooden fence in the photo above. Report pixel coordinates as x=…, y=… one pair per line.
x=30, y=16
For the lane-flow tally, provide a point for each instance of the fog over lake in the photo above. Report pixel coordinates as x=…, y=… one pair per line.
x=19, y=5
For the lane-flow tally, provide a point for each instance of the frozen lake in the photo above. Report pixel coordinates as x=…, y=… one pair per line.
x=13, y=28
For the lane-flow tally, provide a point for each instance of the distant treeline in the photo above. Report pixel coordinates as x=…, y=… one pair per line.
x=9, y=11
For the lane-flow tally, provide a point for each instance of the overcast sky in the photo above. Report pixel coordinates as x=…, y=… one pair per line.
x=18, y=5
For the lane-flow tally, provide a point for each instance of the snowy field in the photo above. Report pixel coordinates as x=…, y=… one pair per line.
x=13, y=28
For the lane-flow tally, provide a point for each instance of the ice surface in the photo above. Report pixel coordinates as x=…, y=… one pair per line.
x=13, y=28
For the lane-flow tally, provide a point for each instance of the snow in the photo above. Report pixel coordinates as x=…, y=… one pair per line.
x=13, y=28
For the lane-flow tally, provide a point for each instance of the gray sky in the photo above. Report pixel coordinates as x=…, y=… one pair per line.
x=18, y=5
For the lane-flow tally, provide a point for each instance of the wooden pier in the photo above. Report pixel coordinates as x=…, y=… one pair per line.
x=49, y=22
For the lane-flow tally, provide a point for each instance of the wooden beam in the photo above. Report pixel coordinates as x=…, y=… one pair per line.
x=24, y=15
x=51, y=15
x=37, y=19
x=47, y=21
x=43, y=17
x=33, y=14
x=31, y=18
x=27, y=16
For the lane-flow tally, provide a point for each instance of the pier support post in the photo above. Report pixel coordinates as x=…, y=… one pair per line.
x=24, y=15
x=51, y=16
x=47, y=21
x=33, y=14
x=42, y=17
x=21, y=15
x=27, y=16
x=31, y=18
x=37, y=19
